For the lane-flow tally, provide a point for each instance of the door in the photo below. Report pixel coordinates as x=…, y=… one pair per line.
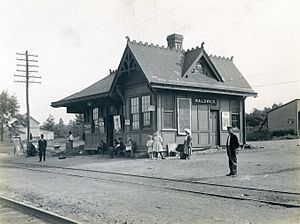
x=110, y=130
x=214, y=128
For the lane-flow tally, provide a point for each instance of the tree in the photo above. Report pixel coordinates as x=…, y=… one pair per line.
x=9, y=107
x=60, y=129
x=18, y=122
x=255, y=118
x=49, y=123
x=258, y=117
x=77, y=125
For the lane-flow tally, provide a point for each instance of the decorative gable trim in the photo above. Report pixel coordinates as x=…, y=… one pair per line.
x=127, y=64
x=204, y=55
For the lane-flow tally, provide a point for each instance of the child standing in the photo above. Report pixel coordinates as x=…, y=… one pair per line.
x=149, y=145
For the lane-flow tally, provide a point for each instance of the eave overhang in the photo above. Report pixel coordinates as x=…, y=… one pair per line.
x=227, y=91
x=66, y=103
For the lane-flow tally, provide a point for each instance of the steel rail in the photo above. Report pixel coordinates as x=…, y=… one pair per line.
x=288, y=205
x=162, y=178
x=37, y=212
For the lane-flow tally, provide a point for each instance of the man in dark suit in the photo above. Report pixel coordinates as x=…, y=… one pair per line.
x=42, y=143
x=232, y=145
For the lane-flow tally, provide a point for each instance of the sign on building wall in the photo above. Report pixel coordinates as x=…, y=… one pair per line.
x=127, y=122
x=184, y=114
x=117, y=123
x=151, y=108
x=203, y=100
x=101, y=124
x=225, y=120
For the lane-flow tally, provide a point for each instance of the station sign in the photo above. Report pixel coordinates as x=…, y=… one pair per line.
x=204, y=100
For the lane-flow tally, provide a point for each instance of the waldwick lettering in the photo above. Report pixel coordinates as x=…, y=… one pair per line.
x=205, y=101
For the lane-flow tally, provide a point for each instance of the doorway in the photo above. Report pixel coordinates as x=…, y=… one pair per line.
x=214, y=127
x=110, y=130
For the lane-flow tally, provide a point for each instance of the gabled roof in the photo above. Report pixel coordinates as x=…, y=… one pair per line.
x=25, y=115
x=165, y=66
x=190, y=58
x=295, y=100
x=100, y=88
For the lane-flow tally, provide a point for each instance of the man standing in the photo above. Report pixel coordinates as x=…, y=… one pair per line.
x=42, y=143
x=232, y=144
x=70, y=139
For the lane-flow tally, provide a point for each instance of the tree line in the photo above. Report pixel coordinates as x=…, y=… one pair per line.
x=61, y=130
x=11, y=121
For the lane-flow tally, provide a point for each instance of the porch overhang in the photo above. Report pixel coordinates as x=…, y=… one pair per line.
x=66, y=103
x=227, y=91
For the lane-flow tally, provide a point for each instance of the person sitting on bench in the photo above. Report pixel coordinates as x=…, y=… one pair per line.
x=119, y=149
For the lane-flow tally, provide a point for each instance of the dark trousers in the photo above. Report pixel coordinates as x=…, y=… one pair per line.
x=231, y=153
x=71, y=144
x=42, y=154
x=156, y=154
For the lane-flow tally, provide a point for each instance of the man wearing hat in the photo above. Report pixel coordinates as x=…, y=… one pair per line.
x=232, y=145
x=187, y=148
x=42, y=144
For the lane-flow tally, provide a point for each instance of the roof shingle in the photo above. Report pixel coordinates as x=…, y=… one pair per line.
x=99, y=88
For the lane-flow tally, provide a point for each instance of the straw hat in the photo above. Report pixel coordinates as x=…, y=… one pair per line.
x=187, y=130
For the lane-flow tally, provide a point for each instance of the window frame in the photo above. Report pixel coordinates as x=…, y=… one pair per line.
x=169, y=111
x=145, y=111
x=178, y=114
x=135, y=116
x=234, y=113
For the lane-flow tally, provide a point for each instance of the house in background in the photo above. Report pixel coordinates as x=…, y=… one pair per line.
x=285, y=118
x=35, y=131
x=164, y=89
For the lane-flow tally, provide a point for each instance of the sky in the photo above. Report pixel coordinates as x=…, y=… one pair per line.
x=78, y=41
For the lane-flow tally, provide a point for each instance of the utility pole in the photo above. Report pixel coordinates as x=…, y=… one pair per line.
x=29, y=58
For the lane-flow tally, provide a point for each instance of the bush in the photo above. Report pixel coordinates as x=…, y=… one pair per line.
x=283, y=133
x=256, y=135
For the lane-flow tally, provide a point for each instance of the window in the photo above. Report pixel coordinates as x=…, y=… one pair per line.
x=235, y=113
x=134, y=111
x=146, y=115
x=95, y=119
x=184, y=114
x=95, y=114
x=168, y=104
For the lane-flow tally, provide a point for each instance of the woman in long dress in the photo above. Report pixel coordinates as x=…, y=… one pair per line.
x=187, y=148
x=157, y=145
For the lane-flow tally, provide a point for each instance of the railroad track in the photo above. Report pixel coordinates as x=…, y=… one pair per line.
x=12, y=211
x=266, y=196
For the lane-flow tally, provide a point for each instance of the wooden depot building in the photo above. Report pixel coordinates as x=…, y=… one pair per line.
x=166, y=89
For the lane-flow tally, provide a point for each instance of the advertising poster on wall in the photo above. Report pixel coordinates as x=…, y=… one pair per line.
x=225, y=120
x=101, y=124
x=117, y=123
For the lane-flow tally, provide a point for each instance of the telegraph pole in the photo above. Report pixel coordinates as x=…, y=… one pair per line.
x=29, y=58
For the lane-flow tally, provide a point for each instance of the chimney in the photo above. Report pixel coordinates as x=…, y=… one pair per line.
x=175, y=41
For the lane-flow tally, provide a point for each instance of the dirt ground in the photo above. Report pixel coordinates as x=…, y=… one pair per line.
x=271, y=165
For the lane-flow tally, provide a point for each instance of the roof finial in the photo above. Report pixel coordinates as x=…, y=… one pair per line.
x=202, y=45
x=231, y=58
x=128, y=39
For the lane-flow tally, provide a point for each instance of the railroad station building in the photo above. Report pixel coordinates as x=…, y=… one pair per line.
x=165, y=89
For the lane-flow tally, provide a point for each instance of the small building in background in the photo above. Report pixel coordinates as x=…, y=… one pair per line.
x=285, y=118
x=35, y=131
